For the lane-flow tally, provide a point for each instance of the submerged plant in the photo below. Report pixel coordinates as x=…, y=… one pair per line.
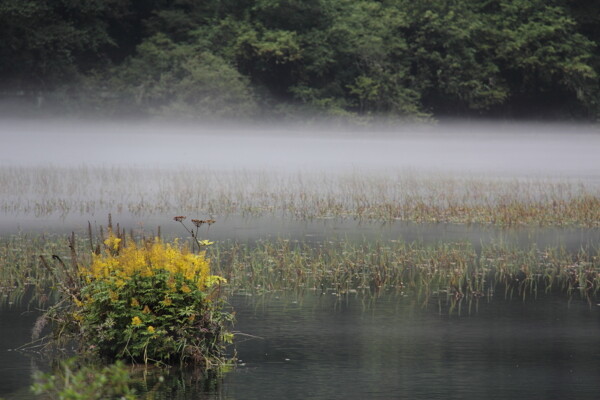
x=145, y=302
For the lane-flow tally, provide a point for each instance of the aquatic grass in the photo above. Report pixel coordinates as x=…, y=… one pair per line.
x=366, y=268
x=22, y=276
x=383, y=196
x=453, y=270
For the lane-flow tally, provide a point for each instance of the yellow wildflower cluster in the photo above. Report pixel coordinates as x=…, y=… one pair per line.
x=146, y=260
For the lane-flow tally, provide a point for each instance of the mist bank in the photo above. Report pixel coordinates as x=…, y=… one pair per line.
x=293, y=59
x=558, y=151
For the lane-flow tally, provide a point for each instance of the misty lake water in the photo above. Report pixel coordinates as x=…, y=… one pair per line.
x=325, y=346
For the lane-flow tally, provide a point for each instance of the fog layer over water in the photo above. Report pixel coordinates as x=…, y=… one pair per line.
x=557, y=150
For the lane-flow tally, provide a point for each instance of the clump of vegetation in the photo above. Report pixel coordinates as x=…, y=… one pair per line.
x=145, y=302
x=78, y=379
x=89, y=382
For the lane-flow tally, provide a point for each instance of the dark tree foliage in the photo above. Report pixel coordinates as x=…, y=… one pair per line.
x=45, y=42
x=394, y=58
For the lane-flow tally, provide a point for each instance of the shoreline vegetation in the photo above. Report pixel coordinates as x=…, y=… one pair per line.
x=394, y=196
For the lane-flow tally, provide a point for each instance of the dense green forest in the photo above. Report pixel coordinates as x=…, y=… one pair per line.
x=289, y=58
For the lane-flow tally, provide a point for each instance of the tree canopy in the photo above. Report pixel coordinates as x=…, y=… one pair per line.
x=257, y=58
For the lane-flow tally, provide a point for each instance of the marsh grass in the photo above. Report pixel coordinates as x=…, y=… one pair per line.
x=22, y=276
x=386, y=196
x=425, y=272
x=451, y=270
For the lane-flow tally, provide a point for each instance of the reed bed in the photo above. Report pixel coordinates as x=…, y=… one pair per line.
x=384, y=196
x=21, y=273
x=411, y=269
x=366, y=268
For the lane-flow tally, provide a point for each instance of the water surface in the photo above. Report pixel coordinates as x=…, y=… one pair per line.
x=251, y=229
x=326, y=347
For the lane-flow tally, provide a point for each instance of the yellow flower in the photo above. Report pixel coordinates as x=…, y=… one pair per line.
x=120, y=262
x=192, y=317
x=78, y=302
x=205, y=243
x=151, y=329
x=135, y=302
x=112, y=241
x=167, y=301
x=135, y=321
x=146, y=310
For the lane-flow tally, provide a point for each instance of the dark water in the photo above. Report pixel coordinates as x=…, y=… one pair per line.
x=506, y=349
x=15, y=367
x=324, y=347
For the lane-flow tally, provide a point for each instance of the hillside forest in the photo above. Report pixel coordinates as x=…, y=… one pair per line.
x=287, y=59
